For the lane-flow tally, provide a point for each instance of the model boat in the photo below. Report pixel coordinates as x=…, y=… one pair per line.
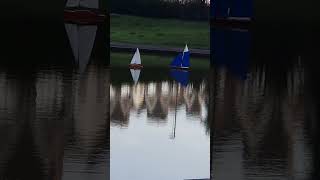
x=182, y=60
x=136, y=61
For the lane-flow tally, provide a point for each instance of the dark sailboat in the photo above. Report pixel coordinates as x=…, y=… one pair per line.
x=82, y=39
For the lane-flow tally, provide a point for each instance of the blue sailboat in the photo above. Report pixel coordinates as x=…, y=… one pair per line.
x=182, y=61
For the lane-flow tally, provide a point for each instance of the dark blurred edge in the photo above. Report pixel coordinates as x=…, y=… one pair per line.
x=32, y=34
x=276, y=44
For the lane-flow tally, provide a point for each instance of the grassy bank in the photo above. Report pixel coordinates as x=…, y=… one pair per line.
x=150, y=61
x=161, y=32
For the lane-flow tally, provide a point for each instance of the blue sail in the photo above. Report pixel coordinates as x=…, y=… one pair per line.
x=186, y=60
x=177, y=61
x=181, y=76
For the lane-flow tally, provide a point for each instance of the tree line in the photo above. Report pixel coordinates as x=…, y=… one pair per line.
x=182, y=9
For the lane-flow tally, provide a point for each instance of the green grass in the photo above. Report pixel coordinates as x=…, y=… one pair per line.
x=161, y=32
x=149, y=61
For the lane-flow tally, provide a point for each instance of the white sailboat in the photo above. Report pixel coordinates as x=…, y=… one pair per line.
x=136, y=61
x=82, y=40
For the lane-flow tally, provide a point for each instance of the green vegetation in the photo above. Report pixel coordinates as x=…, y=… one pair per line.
x=150, y=61
x=161, y=32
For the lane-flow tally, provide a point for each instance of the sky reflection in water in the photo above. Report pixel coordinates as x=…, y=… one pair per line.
x=147, y=142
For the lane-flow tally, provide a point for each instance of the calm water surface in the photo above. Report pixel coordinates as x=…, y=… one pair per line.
x=54, y=104
x=256, y=109
x=266, y=105
x=159, y=125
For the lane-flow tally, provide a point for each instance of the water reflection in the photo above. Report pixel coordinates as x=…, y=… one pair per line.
x=135, y=73
x=158, y=100
x=54, y=120
x=160, y=126
x=264, y=121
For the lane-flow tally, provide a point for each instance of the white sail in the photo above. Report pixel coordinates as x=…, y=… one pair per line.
x=81, y=40
x=136, y=59
x=135, y=73
x=186, y=49
x=83, y=3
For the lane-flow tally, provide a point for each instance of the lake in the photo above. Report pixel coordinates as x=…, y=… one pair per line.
x=69, y=115
x=54, y=103
x=160, y=127
x=266, y=110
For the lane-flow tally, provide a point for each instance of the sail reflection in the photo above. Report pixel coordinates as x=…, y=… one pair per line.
x=181, y=76
x=56, y=124
x=159, y=125
x=157, y=99
x=261, y=123
x=135, y=73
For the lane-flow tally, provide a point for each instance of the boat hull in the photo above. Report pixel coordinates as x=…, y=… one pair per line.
x=83, y=16
x=135, y=66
